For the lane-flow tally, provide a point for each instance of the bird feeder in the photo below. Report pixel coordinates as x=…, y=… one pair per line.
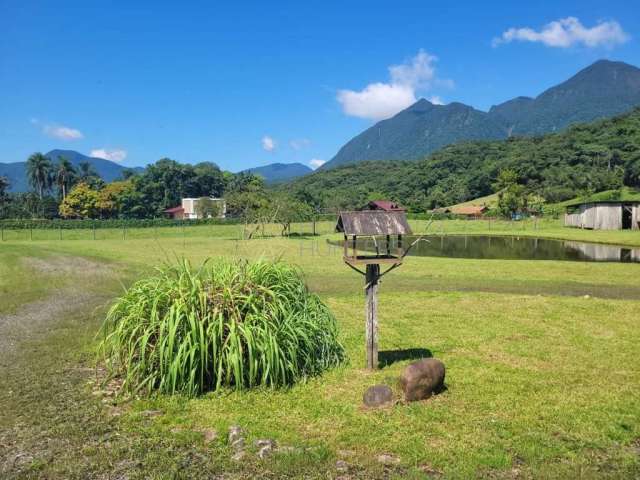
x=376, y=226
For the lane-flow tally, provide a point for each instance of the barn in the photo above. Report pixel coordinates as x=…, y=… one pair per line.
x=604, y=215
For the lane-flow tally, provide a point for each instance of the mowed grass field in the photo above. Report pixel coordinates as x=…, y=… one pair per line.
x=542, y=367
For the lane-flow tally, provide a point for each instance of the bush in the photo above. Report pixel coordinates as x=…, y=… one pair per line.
x=225, y=324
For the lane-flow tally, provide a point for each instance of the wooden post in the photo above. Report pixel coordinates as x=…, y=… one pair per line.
x=371, y=315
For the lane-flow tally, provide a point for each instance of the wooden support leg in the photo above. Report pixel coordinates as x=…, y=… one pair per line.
x=371, y=315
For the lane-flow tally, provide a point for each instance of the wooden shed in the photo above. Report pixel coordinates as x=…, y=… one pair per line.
x=604, y=215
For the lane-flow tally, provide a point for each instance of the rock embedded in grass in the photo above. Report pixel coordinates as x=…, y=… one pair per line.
x=377, y=396
x=421, y=379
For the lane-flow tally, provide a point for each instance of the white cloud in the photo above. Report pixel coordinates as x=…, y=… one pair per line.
x=382, y=100
x=60, y=132
x=316, y=163
x=115, y=155
x=268, y=143
x=567, y=32
x=436, y=100
x=299, y=143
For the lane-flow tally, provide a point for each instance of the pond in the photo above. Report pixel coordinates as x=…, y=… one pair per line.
x=510, y=248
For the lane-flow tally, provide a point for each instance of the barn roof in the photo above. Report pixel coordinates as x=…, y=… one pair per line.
x=373, y=222
x=386, y=205
x=469, y=210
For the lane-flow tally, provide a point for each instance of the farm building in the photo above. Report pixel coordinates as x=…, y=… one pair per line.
x=604, y=215
x=196, y=208
x=384, y=205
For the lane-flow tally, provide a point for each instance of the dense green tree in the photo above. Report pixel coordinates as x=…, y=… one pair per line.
x=64, y=176
x=39, y=169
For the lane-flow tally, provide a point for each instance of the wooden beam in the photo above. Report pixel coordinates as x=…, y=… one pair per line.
x=371, y=315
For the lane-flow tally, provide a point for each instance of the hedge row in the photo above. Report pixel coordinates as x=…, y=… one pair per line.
x=111, y=223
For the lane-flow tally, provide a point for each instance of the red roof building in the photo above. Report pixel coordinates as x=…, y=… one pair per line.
x=175, y=212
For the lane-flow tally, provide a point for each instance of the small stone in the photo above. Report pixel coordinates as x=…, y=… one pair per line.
x=388, y=459
x=209, y=435
x=287, y=449
x=239, y=455
x=265, y=451
x=238, y=444
x=342, y=466
x=235, y=433
x=151, y=413
x=422, y=379
x=377, y=395
x=346, y=453
x=267, y=442
x=586, y=297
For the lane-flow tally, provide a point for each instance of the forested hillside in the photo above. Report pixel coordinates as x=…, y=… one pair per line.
x=601, y=90
x=592, y=157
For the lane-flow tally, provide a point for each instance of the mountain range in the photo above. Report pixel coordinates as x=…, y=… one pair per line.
x=280, y=172
x=17, y=172
x=603, y=89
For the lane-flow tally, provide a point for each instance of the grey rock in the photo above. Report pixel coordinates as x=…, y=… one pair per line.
x=377, y=395
x=235, y=434
x=388, y=459
x=422, y=379
x=342, y=466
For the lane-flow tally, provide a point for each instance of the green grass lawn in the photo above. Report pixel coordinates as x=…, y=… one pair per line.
x=541, y=357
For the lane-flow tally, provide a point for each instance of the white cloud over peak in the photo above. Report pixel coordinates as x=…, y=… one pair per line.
x=567, y=32
x=268, y=143
x=316, y=163
x=382, y=100
x=61, y=132
x=115, y=155
x=436, y=100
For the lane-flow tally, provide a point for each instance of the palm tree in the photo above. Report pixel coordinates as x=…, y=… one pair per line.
x=4, y=186
x=86, y=171
x=65, y=174
x=39, y=172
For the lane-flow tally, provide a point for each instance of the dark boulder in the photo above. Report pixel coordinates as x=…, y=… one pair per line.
x=422, y=379
x=377, y=395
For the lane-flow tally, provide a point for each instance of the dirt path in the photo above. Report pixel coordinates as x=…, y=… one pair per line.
x=34, y=320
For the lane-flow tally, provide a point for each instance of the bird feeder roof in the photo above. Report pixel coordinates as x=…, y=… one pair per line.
x=373, y=222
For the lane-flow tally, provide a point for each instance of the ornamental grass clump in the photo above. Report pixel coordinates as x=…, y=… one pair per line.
x=233, y=324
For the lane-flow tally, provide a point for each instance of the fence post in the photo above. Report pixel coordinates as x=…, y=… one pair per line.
x=124, y=232
x=31, y=232
x=60, y=232
x=94, y=229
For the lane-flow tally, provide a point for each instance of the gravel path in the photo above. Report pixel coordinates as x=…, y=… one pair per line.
x=34, y=320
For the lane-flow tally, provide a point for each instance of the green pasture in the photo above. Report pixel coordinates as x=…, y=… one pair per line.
x=541, y=357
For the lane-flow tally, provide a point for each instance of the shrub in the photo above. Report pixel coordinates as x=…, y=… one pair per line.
x=228, y=323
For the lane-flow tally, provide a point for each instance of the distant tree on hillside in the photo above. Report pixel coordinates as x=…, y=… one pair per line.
x=64, y=176
x=39, y=170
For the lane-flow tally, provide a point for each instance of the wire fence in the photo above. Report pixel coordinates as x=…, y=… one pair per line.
x=239, y=231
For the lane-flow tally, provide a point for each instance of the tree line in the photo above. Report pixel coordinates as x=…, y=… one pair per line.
x=60, y=190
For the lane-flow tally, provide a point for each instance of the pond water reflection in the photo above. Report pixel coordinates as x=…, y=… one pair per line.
x=509, y=248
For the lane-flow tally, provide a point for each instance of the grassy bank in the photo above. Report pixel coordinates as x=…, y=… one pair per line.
x=541, y=370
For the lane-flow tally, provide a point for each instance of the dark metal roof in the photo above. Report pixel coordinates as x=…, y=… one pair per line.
x=386, y=205
x=373, y=222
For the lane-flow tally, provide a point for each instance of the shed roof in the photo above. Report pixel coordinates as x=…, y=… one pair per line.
x=469, y=210
x=386, y=205
x=373, y=222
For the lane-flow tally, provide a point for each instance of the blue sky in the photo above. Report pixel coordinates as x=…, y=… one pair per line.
x=249, y=83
